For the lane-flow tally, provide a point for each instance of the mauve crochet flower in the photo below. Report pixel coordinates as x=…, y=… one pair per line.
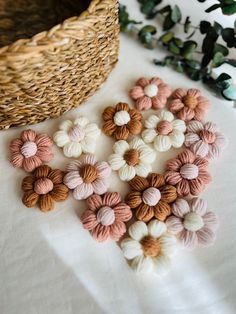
x=105, y=216
x=31, y=150
x=191, y=222
x=87, y=176
x=189, y=104
x=188, y=173
x=204, y=140
x=150, y=93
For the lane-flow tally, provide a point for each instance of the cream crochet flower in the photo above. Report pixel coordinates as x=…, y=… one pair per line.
x=131, y=158
x=149, y=247
x=77, y=137
x=164, y=131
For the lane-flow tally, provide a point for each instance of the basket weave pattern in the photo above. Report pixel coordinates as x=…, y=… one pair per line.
x=54, y=71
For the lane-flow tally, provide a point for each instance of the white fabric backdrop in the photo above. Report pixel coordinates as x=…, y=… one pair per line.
x=50, y=264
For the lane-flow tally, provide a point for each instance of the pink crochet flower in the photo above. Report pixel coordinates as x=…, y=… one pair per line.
x=105, y=216
x=191, y=223
x=150, y=93
x=189, y=104
x=31, y=150
x=188, y=173
x=204, y=140
x=87, y=176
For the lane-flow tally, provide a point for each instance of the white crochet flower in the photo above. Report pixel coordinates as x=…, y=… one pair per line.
x=149, y=247
x=164, y=131
x=77, y=137
x=133, y=158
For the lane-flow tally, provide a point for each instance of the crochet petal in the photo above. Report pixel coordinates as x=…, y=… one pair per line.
x=109, y=127
x=186, y=114
x=117, y=230
x=198, y=206
x=88, y=145
x=29, y=164
x=59, y=193
x=203, y=103
x=61, y=138
x=174, y=164
x=121, y=133
x=100, y=186
x=83, y=191
x=149, y=135
x=100, y=233
x=15, y=145
x=177, y=138
x=143, y=81
x=134, y=127
x=142, y=264
x=200, y=148
x=137, y=143
x=111, y=199
x=159, y=101
x=92, y=130
x=175, y=105
x=211, y=220
x=73, y=179
x=45, y=154
x=143, y=103
x=122, y=212
x=42, y=171
x=94, y=202
x=43, y=140
x=202, y=163
x=17, y=160
x=131, y=248
x=194, y=92
x=195, y=126
x=182, y=187
x=90, y=159
x=147, y=155
x=188, y=238
x=156, y=180
x=162, y=210
x=180, y=208
x=143, y=169
x=116, y=161
x=103, y=169
x=179, y=125
x=81, y=121
x=72, y=149
x=174, y=224
x=28, y=184
x=30, y=199
x=191, y=138
x=74, y=165
x=186, y=157
x=144, y=212
x=179, y=93
x=46, y=203
x=156, y=228
x=168, y=244
x=108, y=113
x=66, y=125
x=205, y=236
x=168, y=193
x=120, y=147
x=204, y=176
x=56, y=176
x=166, y=115
x=89, y=220
x=196, y=187
x=134, y=199
x=162, y=143
x=172, y=177
x=199, y=114
x=151, y=122
x=136, y=92
x=138, y=184
x=138, y=230
x=135, y=114
x=28, y=135
x=126, y=172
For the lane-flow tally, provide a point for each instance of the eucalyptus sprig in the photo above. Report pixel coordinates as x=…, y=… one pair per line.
x=187, y=56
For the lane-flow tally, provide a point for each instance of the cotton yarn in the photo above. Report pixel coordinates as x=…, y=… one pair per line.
x=77, y=137
x=31, y=150
x=43, y=188
x=164, y=131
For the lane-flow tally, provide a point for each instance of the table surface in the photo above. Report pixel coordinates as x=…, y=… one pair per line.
x=50, y=264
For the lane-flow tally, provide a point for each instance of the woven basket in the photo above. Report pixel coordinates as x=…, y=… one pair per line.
x=46, y=70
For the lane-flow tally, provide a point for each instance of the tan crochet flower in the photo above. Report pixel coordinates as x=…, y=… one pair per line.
x=43, y=188
x=121, y=120
x=151, y=197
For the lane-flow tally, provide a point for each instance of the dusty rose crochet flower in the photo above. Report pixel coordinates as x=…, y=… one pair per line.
x=31, y=150
x=150, y=93
x=105, y=216
x=188, y=173
x=204, y=139
x=87, y=176
x=189, y=104
x=192, y=223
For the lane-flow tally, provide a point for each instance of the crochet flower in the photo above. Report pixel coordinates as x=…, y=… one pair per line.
x=149, y=247
x=189, y=104
x=77, y=137
x=204, y=140
x=150, y=93
x=87, y=176
x=131, y=158
x=105, y=216
x=191, y=223
x=164, y=131
x=121, y=121
x=43, y=188
x=188, y=173
x=151, y=197
x=31, y=150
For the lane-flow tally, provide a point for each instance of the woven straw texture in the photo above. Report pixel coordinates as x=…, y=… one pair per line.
x=46, y=70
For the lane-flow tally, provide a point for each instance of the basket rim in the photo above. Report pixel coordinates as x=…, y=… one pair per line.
x=54, y=36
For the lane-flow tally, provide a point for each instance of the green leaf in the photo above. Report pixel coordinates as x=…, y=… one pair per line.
x=179, y=43
x=165, y=9
x=188, y=49
x=213, y=7
x=218, y=59
x=229, y=9
x=187, y=24
x=145, y=35
x=204, y=27
x=176, y=14
x=168, y=23
x=126, y=25
x=193, y=74
x=179, y=67
x=165, y=38
x=148, y=7
x=229, y=36
x=222, y=49
x=230, y=92
x=223, y=81
x=173, y=48
x=196, y=65
x=218, y=28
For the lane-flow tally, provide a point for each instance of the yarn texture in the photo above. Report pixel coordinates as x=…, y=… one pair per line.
x=151, y=197
x=189, y=104
x=121, y=121
x=205, y=140
x=130, y=159
x=149, y=247
x=191, y=223
x=87, y=176
x=150, y=93
x=105, y=216
x=31, y=150
x=77, y=137
x=188, y=173
x=164, y=131
x=43, y=188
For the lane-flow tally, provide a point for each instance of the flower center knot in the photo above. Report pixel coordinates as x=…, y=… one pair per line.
x=106, y=216
x=207, y=136
x=29, y=149
x=43, y=186
x=193, y=222
x=132, y=157
x=189, y=171
x=151, y=246
x=164, y=127
x=150, y=90
x=190, y=101
x=88, y=173
x=151, y=196
x=121, y=117
x=76, y=133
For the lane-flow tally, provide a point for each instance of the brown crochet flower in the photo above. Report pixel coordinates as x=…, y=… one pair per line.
x=43, y=188
x=121, y=121
x=151, y=197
